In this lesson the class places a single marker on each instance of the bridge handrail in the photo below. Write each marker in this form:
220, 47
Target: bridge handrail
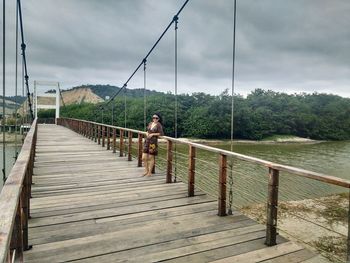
285, 168
99, 132
14, 202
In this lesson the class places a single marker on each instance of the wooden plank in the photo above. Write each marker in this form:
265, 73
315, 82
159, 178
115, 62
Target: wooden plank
126, 219
293, 170
262, 254
182, 246
120, 240
121, 224
294, 257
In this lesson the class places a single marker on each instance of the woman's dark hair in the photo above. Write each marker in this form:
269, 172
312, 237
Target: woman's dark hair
160, 117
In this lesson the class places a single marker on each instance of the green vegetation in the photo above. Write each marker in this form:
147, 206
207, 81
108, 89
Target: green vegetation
260, 115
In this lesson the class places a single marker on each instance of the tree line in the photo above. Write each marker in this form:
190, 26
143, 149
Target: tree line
259, 115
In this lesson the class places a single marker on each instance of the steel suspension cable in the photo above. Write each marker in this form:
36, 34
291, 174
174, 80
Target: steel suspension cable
125, 132
16, 83
144, 95
23, 104
112, 119
3, 92
175, 110
149, 52
232, 105
23, 47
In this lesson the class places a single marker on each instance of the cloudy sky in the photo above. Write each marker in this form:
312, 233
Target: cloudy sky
288, 46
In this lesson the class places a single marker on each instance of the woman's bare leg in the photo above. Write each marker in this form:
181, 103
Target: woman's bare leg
150, 164
145, 162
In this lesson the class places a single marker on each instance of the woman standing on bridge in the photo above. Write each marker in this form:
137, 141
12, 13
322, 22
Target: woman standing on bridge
150, 148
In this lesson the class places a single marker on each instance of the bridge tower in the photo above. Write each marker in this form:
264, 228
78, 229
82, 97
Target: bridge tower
44, 104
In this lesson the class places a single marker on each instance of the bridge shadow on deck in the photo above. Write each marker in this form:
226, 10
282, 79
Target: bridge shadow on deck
89, 205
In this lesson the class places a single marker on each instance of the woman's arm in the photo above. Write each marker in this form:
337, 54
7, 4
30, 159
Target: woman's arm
153, 134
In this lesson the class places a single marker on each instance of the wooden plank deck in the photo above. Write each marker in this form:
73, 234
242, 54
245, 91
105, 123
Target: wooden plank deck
89, 205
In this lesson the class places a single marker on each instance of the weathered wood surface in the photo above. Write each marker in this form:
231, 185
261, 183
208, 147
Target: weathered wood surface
90, 205
284, 168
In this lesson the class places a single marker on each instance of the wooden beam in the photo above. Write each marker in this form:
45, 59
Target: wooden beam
169, 169
121, 142
139, 150
191, 170
108, 138
103, 135
272, 202
130, 145
114, 140
222, 185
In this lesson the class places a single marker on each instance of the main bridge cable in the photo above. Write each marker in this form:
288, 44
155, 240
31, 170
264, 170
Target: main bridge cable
23, 47
175, 18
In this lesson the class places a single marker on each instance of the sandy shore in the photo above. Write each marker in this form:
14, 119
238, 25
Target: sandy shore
10, 138
320, 224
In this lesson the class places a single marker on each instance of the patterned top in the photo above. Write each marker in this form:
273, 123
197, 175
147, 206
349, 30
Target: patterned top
151, 144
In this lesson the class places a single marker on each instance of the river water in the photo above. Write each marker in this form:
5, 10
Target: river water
249, 181
10, 153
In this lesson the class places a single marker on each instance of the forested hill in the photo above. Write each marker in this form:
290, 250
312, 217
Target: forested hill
259, 115
109, 90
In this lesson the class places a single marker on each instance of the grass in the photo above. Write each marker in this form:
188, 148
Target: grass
333, 248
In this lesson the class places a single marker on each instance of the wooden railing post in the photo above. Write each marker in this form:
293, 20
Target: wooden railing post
108, 138
139, 150
114, 140
98, 134
222, 185
169, 169
121, 142
130, 145
272, 202
191, 169
24, 200
17, 238
95, 132
103, 135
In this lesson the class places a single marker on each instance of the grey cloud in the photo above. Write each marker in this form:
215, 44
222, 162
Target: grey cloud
289, 46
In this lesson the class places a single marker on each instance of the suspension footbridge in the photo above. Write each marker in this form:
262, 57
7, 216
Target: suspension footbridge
78, 201
76, 193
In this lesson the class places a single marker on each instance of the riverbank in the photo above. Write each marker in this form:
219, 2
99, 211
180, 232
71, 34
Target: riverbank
269, 140
320, 223
11, 138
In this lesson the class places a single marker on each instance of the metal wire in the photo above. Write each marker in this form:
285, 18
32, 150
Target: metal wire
16, 86
144, 95
176, 18
23, 47
230, 181
3, 92
149, 52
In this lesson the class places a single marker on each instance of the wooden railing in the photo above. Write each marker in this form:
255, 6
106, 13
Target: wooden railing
15, 202
107, 135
